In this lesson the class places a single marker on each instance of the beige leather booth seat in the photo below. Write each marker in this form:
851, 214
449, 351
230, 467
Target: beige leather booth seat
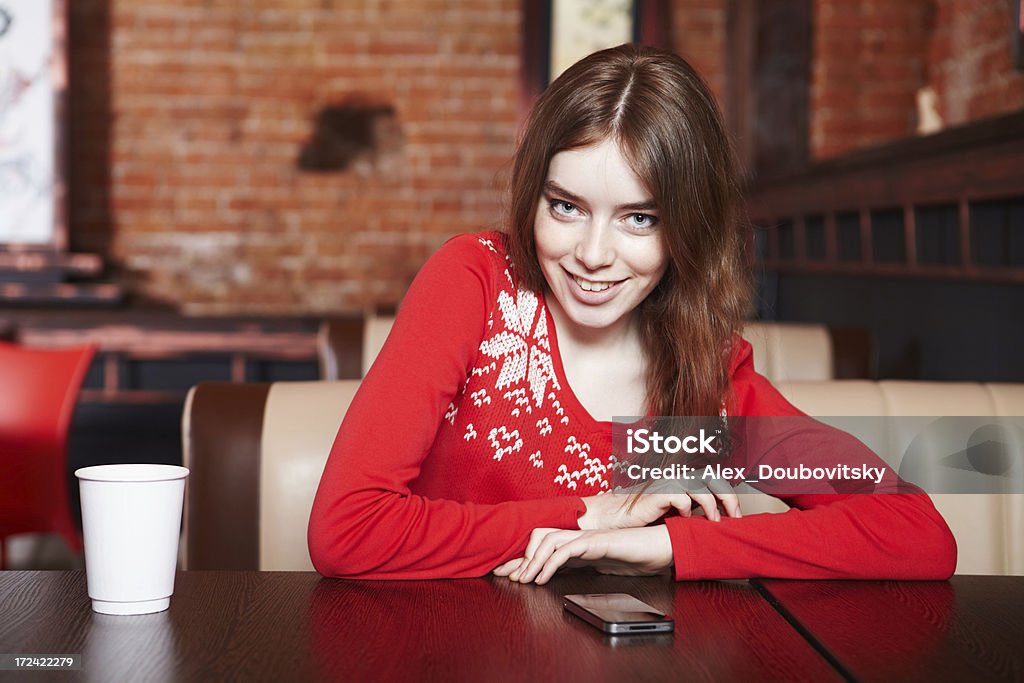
989, 528
347, 347
256, 452
790, 351
375, 333
782, 351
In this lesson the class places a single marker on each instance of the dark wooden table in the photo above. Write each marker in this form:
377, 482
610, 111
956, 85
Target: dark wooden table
970, 628
278, 626
281, 626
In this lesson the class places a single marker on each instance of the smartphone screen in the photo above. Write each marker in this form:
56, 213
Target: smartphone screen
618, 613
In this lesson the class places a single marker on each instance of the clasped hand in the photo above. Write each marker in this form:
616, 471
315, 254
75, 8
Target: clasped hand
628, 552
627, 510
614, 536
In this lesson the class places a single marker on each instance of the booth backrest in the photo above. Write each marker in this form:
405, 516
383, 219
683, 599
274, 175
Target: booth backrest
347, 347
989, 528
256, 452
790, 351
782, 351
375, 333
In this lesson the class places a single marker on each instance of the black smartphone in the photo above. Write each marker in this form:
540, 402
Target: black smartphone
618, 613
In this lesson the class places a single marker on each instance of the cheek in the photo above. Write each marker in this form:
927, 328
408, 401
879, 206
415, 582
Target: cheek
653, 262
547, 237
541, 235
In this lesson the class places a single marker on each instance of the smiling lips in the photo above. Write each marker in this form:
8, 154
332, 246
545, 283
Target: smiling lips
587, 289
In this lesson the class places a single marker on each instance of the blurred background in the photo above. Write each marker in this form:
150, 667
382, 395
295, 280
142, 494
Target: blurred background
229, 175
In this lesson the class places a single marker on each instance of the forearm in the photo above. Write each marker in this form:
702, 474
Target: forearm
376, 534
891, 536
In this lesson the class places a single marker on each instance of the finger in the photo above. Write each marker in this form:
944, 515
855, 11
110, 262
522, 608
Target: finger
545, 550
537, 537
508, 567
683, 504
727, 496
730, 503
531, 564
589, 547
576, 548
707, 503
548, 544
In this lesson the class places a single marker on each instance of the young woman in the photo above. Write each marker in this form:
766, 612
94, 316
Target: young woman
480, 440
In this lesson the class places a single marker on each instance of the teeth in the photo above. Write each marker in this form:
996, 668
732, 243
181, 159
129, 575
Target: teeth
591, 286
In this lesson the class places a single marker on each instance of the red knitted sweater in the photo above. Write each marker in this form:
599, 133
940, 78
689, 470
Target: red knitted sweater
465, 436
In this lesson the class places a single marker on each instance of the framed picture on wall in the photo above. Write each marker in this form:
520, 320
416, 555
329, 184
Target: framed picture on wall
558, 33
579, 27
33, 84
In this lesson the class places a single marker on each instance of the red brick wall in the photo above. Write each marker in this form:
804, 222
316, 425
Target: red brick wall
188, 117
698, 34
872, 57
969, 61
869, 61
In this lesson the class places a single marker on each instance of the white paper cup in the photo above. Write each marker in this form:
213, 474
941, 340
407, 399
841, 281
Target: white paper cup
131, 520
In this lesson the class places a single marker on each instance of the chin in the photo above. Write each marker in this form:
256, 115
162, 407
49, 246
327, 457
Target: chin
594, 320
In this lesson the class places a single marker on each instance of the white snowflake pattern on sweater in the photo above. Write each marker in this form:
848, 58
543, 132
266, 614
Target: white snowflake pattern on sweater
513, 400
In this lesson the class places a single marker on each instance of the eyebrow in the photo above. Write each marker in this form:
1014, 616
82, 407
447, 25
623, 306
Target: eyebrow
551, 187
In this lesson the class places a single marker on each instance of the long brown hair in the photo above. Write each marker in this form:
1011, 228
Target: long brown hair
668, 125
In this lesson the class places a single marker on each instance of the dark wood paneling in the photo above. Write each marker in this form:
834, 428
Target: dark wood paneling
943, 330
945, 206
739, 111
980, 160
781, 86
148, 356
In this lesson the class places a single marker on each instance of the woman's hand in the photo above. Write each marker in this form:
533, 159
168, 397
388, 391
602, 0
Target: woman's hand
613, 511
629, 552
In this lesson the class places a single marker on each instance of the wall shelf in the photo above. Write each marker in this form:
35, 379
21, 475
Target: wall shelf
948, 206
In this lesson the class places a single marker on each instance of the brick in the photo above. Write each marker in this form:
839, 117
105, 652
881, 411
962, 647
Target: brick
873, 54
188, 117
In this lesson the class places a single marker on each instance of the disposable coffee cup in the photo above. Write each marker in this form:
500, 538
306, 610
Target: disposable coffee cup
131, 521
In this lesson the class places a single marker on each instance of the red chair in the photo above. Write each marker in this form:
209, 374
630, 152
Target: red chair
38, 392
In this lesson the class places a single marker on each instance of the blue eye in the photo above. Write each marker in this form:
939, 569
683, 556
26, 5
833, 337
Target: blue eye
642, 220
562, 207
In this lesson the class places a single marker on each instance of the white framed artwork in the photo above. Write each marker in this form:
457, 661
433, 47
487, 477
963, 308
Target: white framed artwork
579, 27
33, 84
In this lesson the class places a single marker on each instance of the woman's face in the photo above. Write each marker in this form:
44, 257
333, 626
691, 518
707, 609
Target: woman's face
598, 238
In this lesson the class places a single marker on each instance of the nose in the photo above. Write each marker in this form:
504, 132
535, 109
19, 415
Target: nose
594, 248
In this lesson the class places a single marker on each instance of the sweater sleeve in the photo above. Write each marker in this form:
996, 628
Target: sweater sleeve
365, 521
822, 536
